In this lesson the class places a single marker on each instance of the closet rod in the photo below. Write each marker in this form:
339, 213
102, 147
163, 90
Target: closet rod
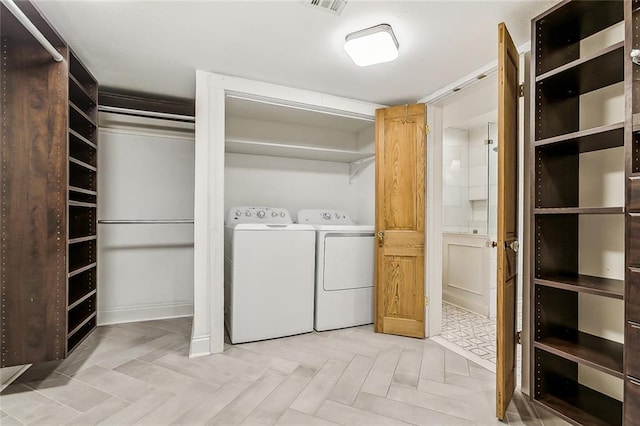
13, 8
151, 114
146, 221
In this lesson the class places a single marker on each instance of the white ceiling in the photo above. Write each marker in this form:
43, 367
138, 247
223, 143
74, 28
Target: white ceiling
155, 46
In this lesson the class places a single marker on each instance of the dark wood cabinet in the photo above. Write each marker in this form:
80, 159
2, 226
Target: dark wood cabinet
48, 149
577, 62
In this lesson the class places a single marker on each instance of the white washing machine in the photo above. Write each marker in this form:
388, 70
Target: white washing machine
344, 269
269, 274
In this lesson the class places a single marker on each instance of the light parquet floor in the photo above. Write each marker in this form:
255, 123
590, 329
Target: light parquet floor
139, 373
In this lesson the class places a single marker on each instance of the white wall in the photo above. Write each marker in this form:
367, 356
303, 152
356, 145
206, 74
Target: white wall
145, 171
253, 180
455, 173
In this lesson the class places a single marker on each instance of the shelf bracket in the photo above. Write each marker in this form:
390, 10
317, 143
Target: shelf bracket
355, 167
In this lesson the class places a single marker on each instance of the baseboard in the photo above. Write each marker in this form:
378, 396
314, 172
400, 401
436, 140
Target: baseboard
200, 346
476, 308
13, 373
144, 313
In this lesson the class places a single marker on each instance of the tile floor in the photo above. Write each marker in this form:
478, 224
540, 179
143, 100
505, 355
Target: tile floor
472, 332
139, 373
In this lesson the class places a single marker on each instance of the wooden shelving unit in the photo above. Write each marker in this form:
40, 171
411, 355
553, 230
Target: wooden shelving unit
564, 80
82, 203
48, 195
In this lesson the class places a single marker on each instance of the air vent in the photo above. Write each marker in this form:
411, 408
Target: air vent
332, 6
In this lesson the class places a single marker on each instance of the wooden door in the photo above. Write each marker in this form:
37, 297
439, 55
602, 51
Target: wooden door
400, 208
507, 219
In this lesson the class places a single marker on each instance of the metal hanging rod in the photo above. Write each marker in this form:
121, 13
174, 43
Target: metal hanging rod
151, 114
13, 8
147, 222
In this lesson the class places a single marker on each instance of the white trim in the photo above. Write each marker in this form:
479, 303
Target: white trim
211, 90
200, 346
433, 224
19, 370
144, 313
468, 355
470, 78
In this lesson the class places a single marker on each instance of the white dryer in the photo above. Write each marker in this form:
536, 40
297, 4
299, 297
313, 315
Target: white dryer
344, 269
269, 274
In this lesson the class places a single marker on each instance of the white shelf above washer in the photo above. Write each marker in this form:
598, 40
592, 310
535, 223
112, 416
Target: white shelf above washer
275, 149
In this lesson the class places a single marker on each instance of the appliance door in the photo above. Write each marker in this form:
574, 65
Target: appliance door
348, 261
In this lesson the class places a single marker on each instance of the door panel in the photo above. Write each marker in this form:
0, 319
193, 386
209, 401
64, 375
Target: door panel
508, 59
400, 207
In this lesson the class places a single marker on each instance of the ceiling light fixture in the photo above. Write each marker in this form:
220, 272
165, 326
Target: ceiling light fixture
371, 46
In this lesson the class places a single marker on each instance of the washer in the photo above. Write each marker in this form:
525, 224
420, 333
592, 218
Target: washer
269, 274
344, 269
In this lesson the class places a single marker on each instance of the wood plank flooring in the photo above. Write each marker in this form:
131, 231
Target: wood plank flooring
139, 374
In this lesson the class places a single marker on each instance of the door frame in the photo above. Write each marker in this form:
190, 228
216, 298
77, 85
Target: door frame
211, 91
434, 225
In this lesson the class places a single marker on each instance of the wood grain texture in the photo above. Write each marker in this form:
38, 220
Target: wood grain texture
33, 156
508, 60
400, 207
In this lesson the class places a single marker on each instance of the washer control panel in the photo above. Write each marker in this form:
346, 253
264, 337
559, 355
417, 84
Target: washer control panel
324, 217
267, 215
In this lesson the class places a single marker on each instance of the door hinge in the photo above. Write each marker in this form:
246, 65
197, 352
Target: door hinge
426, 129
519, 337
426, 301
521, 91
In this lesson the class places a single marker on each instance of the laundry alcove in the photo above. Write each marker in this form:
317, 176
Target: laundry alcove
322, 154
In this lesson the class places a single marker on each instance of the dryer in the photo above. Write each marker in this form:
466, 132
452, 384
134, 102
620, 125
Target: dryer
344, 269
269, 274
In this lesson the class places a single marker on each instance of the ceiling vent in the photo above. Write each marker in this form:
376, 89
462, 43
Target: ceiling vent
331, 6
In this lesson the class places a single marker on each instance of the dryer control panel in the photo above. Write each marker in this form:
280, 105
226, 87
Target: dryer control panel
265, 215
324, 217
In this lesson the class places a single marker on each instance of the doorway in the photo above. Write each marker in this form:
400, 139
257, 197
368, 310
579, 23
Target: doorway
469, 220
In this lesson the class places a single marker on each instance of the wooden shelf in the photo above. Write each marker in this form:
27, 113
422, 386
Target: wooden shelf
585, 75
574, 411
82, 299
82, 239
79, 326
578, 210
82, 190
81, 270
77, 340
73, 203
274, 149
562, 27
82, 114
599, 286
594, 139
598, 353
82, 138
77, 85
82, 164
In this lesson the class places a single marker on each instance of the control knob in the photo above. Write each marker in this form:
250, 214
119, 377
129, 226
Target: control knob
281, 214
247, 213
337, 215
326, 216
260, 214
274, 214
